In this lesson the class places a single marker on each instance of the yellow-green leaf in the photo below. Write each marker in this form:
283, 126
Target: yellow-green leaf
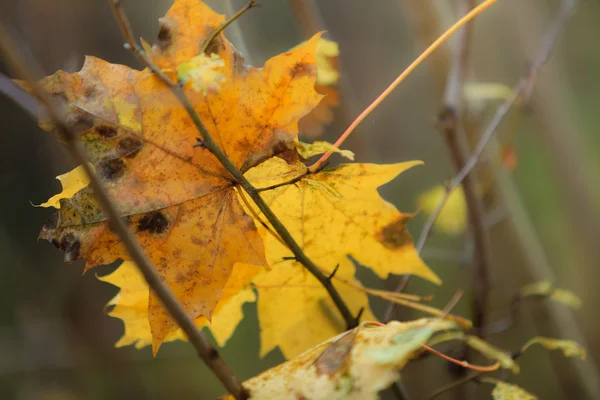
507, 391
493, 353
569, 348
308, 150
546, 288
328, 372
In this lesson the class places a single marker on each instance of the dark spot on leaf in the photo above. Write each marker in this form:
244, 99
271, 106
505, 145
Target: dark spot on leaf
395, 234
154, 222
300, 69
106, 131
52, 222
72, 253
216, 46
55, 243
110, 168
129, 147
165, 36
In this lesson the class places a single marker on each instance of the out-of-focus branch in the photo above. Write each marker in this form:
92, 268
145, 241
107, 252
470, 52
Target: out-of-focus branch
205, 350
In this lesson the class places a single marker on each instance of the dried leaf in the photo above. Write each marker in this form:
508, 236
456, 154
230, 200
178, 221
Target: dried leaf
569, 348
493, 353
507, 391
546, 288
363, 375
177, 198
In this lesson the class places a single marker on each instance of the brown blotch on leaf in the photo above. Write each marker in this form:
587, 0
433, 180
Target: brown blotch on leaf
165, 36
215, 46
154, 222
395, 234
335, 358
110, 168
107, 132
70, 244
129, 147
52, 222
300, 69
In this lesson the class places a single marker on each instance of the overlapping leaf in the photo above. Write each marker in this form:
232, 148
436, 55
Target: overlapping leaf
177, 198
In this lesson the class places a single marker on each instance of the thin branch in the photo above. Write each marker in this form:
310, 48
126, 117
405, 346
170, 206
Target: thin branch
468, 17
521, 90
239, 178
208, 353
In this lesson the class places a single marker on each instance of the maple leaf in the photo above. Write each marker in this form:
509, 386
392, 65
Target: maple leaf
347, 366
177, 197
331, 214
131, 305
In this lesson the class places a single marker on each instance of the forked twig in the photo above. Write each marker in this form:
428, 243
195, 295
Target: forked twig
205, 350
236, 174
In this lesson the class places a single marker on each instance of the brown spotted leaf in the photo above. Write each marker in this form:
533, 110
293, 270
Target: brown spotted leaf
176, 197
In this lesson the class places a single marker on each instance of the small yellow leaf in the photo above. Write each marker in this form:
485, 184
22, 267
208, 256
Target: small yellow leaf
506, 391
486, 91
546, 288
326, 50
308, 150
453, 217
204, 72
569, 348
72, 182
131, 305
493, 353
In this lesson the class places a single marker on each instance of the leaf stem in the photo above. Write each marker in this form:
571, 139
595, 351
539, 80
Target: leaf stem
205, 350
464, 364
236, 174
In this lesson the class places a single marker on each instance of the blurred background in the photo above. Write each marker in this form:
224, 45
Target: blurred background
538, 183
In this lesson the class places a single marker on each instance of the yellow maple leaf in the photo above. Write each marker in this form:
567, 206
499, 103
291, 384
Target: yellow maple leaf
331, 214
131, 305
177, 197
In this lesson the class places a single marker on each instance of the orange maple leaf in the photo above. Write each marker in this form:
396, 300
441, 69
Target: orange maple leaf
176, 197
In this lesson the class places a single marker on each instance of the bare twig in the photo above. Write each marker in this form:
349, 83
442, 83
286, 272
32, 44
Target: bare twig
236, 174
207, 352
213, 35
521, 90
